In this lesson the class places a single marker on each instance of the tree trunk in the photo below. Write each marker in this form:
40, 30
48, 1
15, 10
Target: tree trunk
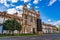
9, 32
13, 33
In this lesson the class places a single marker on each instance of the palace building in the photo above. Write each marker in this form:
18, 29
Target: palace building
29, 19
48, 28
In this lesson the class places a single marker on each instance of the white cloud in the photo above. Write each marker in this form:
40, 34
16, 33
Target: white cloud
12, 5
4, 2
35, 1
25, 1
7, 5
21, 0
19, 7
36, 7
1, 1
14, 1
8, 0
49, 20
37, 10
11, 11
14, 10
56, 23
29, 4
51, 2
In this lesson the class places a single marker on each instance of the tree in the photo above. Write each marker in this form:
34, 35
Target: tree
18, 27
59, 28
12, 25
4, 19
7, 25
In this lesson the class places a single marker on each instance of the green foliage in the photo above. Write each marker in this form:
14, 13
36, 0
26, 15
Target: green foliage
12, 25
59, 28
7, 25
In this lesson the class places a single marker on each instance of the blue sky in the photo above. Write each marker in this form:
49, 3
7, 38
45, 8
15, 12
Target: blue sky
49, 9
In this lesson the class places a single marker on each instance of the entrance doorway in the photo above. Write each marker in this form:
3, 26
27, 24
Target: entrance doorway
33, 30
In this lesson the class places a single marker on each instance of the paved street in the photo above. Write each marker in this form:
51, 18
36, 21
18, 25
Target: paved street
44, 37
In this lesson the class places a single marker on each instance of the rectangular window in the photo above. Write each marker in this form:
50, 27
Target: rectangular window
31, 19
25, 22
25, 16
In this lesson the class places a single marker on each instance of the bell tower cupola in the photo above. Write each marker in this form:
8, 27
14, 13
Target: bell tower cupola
24, 8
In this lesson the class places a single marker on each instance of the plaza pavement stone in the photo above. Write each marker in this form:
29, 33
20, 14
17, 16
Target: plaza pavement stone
43, 37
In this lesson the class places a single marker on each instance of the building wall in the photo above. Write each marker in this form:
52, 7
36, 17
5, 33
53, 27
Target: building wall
1, 29
47, 28
28, 20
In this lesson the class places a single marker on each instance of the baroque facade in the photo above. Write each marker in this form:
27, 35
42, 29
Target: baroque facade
29, 22
28, 19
